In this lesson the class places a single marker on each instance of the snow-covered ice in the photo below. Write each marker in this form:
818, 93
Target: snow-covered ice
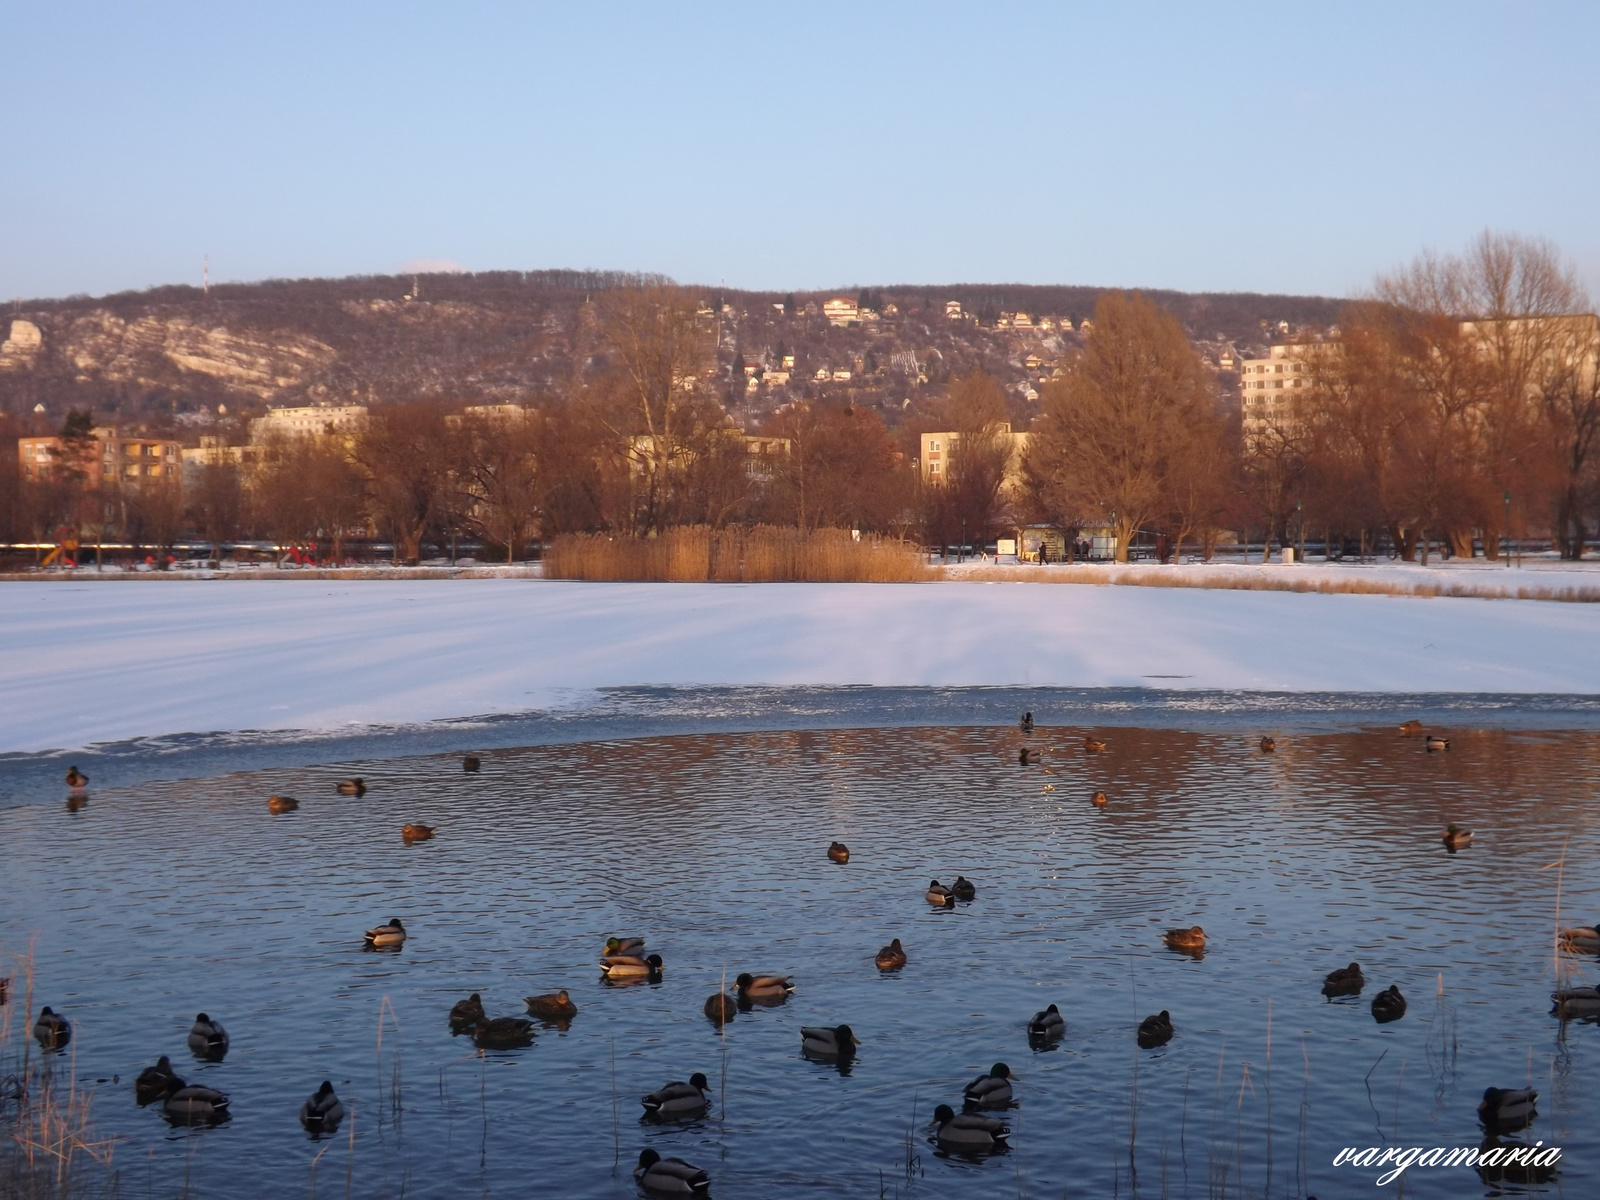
88, 662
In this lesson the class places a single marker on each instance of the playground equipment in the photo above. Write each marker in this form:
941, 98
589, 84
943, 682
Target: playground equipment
66, 548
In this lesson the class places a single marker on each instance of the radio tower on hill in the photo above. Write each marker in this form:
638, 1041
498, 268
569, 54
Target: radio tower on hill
205, 278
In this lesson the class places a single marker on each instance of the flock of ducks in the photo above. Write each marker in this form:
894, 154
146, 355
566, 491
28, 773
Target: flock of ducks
622, 960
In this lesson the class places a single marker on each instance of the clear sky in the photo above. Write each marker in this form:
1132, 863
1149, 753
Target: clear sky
1202, 146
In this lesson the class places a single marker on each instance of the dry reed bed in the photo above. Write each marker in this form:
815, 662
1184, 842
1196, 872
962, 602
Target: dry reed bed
763, 554
1273, 582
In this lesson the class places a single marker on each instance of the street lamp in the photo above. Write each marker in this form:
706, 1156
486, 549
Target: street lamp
1508, 529
1299, 520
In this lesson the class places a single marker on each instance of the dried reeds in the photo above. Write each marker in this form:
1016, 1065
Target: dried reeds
762, 554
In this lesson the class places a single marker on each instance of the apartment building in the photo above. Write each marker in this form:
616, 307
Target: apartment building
1273, 390
938, 448
103, 458
315, 420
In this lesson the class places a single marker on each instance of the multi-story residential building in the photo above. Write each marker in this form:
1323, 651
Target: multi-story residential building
314, 420
1274, 390
841, 312
103, 458
939, 448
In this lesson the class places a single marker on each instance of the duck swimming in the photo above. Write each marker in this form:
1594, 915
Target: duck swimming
1576, 1002
470, 764
1345, 981
1192, 938
821, 1042
1508, 1108
769, 989
1585, 939
968, 1133
322, 1111
679, 1101
623, 946
992, 1090
416, 833
1155, 1030
156, 1083
466, 1014
195, 1105
1026, 724
351, 787
1434, 743
1456, 837
207, 1038
503, 1033
1268, 745
892, 957
389, 936
552, 1006
282, 804
76, 779
1411, 728
940, 896
628, 967
1027, 755
964, 889
52, 1030
721, 1008
1047, 1025
839, 852
1388, 1005
1093, 745
670, 1176
1099, 800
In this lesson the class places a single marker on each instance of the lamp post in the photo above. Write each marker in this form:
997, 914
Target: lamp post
1300, 521
1508, 529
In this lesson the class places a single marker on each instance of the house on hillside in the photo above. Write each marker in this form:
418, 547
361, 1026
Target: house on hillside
841, 312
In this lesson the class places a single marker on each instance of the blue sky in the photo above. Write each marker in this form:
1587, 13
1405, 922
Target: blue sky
1250, 147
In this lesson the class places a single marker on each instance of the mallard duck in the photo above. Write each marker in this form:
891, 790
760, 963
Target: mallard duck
1412, 728
721, 1008
468, 1013
964, 889
1155, 1030
552, 1006
622, 946
1456, 837
1268, 745
282, 804
892, 957
1434, 742
679, 1101
1028, 755
1388, 1005
992, 1090
52, 1030
763, 988
503, 1033
322, 1110
1026, 724
1576, 1002
76, 778
839, 852
670, 1176
156, 1083
207, 1038
389, 936
1093, 745
940, 896
351, 787
416, 833
193, 1104
470, 764
1346, 981
821, 1042
968, 1133
1508, 1108
1584, 939
1047, 1025
629, 967
1099, 800
1192, 938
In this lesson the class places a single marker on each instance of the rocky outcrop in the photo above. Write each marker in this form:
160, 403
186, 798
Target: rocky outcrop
19, 350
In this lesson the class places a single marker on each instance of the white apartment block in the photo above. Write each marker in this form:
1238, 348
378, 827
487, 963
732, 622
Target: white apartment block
309, 421
1273, 389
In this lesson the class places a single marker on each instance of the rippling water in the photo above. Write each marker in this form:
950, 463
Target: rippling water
149, 904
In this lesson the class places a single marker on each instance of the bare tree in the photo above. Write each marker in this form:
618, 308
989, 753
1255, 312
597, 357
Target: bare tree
408, 454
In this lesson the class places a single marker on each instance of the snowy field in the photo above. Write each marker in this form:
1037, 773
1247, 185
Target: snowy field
89, 662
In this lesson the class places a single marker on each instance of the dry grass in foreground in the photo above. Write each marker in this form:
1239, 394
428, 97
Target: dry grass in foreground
764, 554
1264, 581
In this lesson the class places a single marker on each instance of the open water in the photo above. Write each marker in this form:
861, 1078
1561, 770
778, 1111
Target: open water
156, 900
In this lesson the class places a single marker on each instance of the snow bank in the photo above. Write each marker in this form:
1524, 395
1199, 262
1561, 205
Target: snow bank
90, 662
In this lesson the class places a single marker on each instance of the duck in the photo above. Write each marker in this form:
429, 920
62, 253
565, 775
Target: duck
470, 764
940, 896
194, 1104
821, 1042
322, 1110
1388, 1005
1028, 755
838, 852
1099, 800
207, 1038
1456, 837
1412, 728
892, 957
351, 787
968, 1133
52, 1030
1507, 1108
1026, 724
1434, 742
1576, 1002
465, 1014
388, 936
992, 1090
552, 1006
1093, 745
76, 778
416, 833
768, 989
1155, 1030
503, 1033
5, 989
670, 1176
156, 1083
964, 889
721, 1008
282, 804
1192, 938
630, 967
1268, 745
1584, 939
678, 1101
623, 946
1345, 981
1047, 1025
